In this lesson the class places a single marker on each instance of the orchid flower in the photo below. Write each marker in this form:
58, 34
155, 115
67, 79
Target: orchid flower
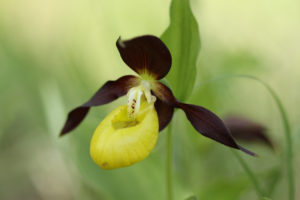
129, 133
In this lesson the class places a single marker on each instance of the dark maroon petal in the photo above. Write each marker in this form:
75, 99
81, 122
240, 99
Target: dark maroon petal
210, 125
164, 93
203, 120
164, 112
110, 91
244, 129
146, 55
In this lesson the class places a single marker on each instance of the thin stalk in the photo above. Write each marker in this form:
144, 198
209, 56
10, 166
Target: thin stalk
169, 161
288, 136
251, 175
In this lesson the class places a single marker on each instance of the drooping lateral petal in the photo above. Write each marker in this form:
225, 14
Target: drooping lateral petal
110, 91
164, 112
203, 120
244, 129
210, 125
146, 55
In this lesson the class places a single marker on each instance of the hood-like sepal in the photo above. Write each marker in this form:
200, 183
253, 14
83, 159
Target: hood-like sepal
110, 91
146, 55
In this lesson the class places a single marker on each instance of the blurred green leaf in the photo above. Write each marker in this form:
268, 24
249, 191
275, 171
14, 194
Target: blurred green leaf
183, 40
224, 189
272, 179
192, 198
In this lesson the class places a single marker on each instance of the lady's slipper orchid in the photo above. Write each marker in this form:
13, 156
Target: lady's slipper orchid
129, 133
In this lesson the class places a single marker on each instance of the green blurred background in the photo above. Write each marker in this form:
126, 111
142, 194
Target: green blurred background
55, 53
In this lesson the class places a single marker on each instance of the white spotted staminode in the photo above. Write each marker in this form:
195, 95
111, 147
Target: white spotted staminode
135, 96
129, 133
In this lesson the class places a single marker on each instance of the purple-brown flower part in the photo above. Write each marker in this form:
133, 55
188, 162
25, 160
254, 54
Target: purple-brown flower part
204, 121
151, 59
164, 112
110, 91
246, 130
146, 55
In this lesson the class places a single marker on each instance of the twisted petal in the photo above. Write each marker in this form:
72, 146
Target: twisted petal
146, 55
110, 91
164, 112
203, 120
210, 125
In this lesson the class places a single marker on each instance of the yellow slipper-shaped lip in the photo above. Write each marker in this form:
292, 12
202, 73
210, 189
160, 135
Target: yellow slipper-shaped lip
119, 141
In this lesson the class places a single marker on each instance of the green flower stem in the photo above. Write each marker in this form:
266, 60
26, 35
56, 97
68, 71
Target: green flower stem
288, 136
169, 161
